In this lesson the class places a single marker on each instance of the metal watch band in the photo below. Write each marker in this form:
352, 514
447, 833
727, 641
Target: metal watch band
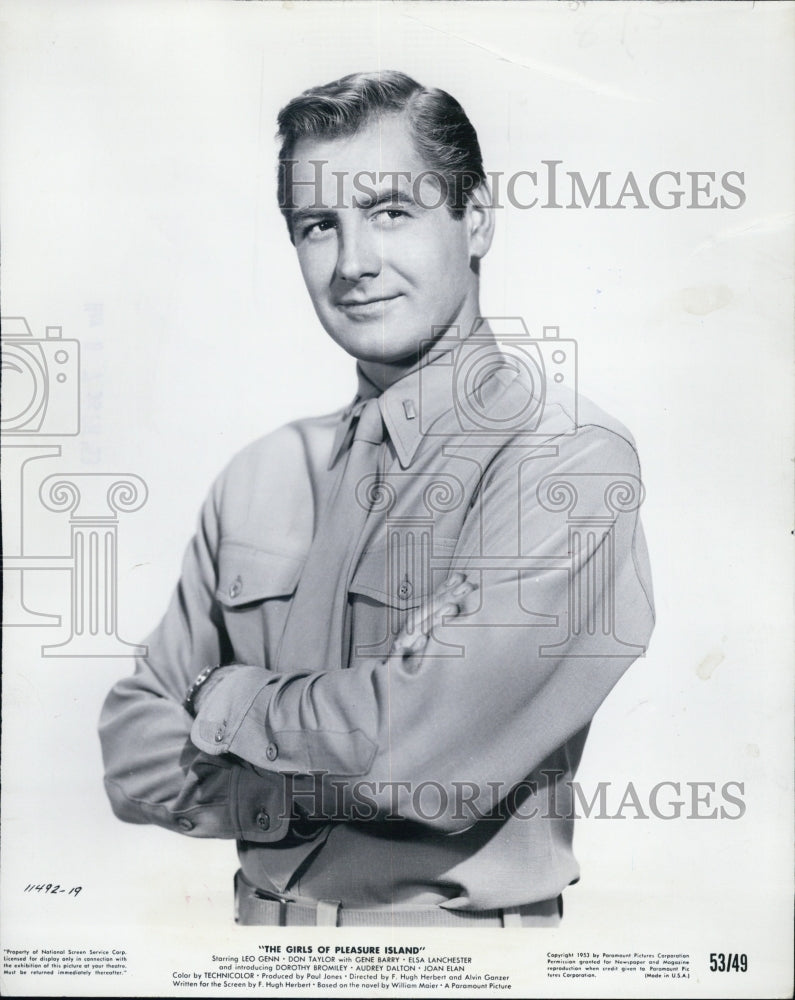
197, 685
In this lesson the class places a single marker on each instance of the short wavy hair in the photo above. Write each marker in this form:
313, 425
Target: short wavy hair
443, 135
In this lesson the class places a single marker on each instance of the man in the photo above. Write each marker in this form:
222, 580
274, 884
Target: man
395, 623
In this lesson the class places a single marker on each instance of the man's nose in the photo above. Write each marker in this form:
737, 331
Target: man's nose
359, 253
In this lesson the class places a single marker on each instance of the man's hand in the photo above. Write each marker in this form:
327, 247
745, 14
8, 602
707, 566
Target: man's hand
421, 621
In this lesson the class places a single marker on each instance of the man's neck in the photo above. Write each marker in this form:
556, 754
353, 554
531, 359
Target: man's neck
385, 375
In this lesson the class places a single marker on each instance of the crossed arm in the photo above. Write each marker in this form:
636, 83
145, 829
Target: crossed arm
487, 717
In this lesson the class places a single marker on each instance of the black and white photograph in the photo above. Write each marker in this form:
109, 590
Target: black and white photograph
397, 498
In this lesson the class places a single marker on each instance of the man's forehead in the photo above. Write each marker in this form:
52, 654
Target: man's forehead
381, 154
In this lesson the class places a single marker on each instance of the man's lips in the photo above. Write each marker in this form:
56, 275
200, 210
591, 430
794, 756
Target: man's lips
366, 307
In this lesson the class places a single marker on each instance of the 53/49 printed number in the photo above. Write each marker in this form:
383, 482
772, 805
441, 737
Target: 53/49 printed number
731, 961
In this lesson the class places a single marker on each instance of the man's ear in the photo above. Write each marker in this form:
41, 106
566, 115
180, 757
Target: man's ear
479, 218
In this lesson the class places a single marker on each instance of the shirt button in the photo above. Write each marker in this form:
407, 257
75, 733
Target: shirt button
236, 587
404, 590
262, 820
220, 732
185, 824
271, 751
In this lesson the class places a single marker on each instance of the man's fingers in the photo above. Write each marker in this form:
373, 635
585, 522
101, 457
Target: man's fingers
441, 606
421, 621
435, 615
409, 645
443, 599
455, 586
454, 580
414, 636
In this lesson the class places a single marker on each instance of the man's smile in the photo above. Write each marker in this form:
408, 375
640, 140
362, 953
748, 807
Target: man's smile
356, 307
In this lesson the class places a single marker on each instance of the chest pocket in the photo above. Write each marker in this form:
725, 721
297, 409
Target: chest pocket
255, 588
389, 582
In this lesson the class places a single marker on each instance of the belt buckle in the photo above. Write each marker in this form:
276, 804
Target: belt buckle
275, 897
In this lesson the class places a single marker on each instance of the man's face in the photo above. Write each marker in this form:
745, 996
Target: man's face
382, 265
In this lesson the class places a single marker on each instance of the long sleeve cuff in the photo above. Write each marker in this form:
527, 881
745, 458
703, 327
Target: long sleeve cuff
239, 715
260, 806
259, 802
223, 708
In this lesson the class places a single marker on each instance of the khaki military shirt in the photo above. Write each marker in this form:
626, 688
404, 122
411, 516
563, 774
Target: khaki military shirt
376, 779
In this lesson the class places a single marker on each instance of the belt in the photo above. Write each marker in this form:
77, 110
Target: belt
256, 906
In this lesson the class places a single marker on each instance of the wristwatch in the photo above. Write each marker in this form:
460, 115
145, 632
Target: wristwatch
196, 686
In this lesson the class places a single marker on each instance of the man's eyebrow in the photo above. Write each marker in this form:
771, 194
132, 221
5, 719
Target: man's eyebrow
363, 199
312, 212
390, 195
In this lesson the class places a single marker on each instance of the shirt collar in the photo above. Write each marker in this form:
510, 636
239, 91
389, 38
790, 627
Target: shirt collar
412, 405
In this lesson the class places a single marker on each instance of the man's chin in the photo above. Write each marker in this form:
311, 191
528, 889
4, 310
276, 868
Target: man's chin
379, 346
385, 358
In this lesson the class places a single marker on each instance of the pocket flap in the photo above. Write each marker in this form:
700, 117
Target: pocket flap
246, 574
399, 576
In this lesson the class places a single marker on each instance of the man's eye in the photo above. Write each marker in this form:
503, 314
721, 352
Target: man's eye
315, 230
387, 216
